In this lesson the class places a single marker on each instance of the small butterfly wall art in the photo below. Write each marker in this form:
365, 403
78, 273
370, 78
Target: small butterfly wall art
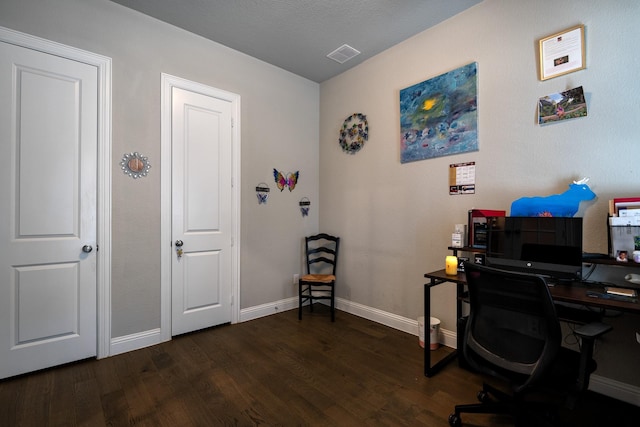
262, 191
304, 203
282, 181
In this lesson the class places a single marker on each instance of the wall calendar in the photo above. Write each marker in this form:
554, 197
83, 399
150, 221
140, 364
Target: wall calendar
462, 178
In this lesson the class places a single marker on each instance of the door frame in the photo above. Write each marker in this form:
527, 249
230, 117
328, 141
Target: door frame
103, 223
168, 82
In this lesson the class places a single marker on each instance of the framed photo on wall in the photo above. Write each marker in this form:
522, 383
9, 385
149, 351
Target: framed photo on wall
562, 53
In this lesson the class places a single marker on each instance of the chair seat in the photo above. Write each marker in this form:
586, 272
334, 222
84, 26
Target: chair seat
318, 278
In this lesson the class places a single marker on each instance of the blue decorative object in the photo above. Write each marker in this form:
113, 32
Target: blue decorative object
565, 204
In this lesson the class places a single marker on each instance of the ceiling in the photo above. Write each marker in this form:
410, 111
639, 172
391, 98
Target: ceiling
297, 35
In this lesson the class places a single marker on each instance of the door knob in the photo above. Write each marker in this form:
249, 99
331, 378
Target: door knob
179, 243
87, 248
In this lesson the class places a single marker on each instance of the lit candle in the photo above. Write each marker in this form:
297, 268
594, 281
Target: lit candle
451, 265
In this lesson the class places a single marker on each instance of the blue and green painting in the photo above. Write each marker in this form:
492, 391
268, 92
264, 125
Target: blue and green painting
439, 117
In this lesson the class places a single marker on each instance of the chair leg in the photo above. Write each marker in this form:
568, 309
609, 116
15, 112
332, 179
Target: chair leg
299, 301
333, 304
302, 297
488, 389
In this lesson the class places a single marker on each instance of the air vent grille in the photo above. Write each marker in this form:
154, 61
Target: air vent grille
343, 54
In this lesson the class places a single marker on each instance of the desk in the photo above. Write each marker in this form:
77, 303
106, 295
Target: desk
576, 293
437, 278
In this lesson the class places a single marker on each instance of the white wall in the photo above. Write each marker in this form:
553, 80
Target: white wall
280, 114
396, 219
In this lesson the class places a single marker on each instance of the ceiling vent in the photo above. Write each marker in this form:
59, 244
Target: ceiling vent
343, 53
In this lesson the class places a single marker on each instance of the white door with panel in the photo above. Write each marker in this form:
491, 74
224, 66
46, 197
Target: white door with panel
48, 190
201, 139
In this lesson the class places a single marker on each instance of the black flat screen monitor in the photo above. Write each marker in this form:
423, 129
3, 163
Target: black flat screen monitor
549, 246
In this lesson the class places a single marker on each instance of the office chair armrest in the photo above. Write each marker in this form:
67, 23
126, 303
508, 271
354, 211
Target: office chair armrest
592, 330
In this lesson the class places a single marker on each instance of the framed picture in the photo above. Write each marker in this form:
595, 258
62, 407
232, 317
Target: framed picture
562, 53
439, 117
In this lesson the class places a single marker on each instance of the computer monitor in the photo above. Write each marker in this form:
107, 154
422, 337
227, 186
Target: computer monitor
549, 246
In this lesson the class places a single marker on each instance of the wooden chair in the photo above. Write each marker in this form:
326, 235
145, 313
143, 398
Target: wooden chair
321, 251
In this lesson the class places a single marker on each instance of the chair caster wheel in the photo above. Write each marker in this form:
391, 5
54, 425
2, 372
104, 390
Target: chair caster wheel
483, 396
454, 420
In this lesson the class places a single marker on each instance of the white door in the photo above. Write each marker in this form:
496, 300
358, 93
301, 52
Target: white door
48, 188
201, 132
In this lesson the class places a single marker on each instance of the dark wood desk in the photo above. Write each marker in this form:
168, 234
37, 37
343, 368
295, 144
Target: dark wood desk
575, 293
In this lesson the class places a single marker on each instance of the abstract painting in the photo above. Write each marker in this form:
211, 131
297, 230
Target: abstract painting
439, 117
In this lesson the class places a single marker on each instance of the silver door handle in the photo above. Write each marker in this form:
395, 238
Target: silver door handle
179, 243
87, 248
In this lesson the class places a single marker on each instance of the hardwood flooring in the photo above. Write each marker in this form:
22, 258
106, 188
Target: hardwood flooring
273, 371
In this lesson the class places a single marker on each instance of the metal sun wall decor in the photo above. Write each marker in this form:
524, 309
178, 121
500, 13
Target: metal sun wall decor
282, 181
439, 116
354, 133
262, 191
135, 165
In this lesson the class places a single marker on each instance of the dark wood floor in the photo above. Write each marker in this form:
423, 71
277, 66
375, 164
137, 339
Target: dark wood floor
271, 371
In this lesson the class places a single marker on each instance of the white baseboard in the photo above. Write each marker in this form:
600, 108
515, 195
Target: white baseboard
268, 309
449, 338
394, 321
151, 337
135, 341
616, 389
388, 319
410, 326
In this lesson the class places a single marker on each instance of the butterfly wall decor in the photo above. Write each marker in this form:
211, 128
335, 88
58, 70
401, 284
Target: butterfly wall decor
262, 191
304, 203
283, 181
262, 198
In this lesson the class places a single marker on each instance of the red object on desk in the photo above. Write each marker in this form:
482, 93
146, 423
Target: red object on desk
479, 216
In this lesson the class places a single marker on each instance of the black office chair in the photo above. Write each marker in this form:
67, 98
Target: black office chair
513, 333
319, 283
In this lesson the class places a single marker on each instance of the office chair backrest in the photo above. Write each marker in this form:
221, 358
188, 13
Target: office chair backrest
512, 324
322, 253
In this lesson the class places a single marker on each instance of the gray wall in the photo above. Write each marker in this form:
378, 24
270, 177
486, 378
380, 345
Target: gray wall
396, 219
277, 107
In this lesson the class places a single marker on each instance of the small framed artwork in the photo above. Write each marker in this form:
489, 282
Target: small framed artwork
562, 53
